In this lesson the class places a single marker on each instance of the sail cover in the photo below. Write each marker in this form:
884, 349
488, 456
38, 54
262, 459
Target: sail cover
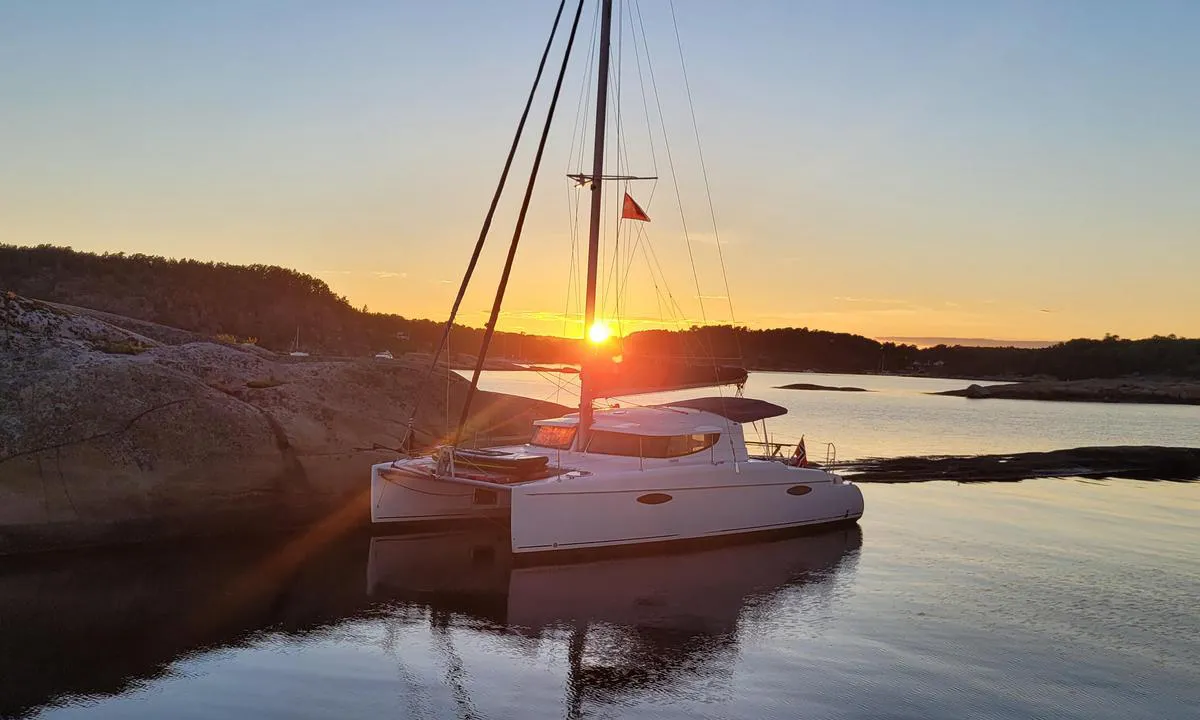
739, 410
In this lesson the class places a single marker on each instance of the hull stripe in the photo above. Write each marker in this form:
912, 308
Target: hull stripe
528, 551
426, 492
749, 528
673, 489
779, 524
492, 512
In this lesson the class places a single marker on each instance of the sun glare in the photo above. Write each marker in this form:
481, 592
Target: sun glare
599, 333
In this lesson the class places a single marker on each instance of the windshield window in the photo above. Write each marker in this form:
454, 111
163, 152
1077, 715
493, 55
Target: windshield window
558, 437
649, 446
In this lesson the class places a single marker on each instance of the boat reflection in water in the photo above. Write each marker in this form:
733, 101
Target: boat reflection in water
633, 623
91, 628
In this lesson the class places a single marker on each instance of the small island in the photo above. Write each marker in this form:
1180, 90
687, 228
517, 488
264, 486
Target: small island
810, 386
1172, 391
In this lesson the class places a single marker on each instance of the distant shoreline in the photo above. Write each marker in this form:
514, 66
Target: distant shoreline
1117, 390
1158, 391
810, 371
503, 364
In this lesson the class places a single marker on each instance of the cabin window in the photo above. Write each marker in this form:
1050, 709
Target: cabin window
649, 446
557, 437
611, 443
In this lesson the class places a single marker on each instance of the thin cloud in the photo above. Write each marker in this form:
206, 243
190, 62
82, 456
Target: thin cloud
873, 301
389, 275
707, 238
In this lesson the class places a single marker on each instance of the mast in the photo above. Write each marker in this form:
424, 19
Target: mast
589, 313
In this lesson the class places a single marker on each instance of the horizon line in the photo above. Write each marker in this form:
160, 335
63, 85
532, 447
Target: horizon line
932, 340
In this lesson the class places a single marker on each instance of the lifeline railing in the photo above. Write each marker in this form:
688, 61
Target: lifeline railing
782, 451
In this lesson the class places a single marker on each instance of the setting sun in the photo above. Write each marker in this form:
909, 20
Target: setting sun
599, 333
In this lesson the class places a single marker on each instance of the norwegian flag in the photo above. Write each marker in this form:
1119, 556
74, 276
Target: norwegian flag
800, 457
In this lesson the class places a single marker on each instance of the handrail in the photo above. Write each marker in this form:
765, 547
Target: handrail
776, 450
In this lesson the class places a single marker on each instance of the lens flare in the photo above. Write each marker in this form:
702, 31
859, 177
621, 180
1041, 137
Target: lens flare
599, 333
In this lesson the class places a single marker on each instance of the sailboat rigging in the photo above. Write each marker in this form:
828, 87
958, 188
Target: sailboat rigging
611, 477
296, 351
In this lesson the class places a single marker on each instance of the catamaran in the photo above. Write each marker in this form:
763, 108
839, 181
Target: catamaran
611, 476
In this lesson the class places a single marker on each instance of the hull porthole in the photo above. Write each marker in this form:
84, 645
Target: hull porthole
799, 490
654, 498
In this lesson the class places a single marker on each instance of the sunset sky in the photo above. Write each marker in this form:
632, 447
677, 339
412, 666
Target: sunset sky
1017, 170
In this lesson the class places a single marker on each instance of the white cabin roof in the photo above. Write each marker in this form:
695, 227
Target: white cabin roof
649, 421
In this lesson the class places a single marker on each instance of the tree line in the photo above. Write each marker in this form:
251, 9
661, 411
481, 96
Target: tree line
801, 349
271, 304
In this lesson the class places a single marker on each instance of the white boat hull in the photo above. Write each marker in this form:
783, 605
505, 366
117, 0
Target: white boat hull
398, 496
690, 503
621, 508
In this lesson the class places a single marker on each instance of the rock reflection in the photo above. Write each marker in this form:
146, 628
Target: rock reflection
91, 624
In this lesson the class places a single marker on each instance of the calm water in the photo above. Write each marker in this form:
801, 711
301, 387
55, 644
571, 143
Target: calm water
1043, 599
901, 417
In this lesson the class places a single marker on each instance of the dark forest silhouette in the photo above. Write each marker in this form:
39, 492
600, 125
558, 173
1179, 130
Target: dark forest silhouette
269, 303
263, 303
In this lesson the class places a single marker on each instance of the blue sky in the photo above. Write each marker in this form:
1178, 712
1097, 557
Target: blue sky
1022, 170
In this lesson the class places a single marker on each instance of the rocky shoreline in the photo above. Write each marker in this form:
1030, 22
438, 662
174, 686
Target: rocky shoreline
1179, 464
1117, 390
115, 432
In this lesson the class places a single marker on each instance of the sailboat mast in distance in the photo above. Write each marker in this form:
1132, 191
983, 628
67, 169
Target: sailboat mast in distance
586, 391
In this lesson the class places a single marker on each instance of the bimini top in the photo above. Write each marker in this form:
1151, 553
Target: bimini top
682, 417
739, 410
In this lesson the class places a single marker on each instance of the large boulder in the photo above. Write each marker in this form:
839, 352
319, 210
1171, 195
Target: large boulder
108, 435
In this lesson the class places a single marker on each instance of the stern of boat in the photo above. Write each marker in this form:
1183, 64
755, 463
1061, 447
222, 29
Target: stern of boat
409, 491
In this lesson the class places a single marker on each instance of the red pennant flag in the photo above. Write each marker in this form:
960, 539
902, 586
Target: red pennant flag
630, 210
